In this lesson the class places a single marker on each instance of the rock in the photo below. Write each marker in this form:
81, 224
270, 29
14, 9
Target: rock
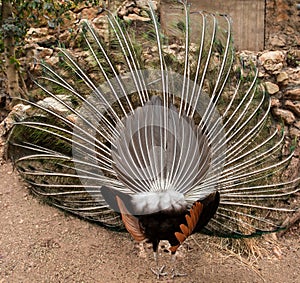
101, 24
135, 17
136, 10
294, 132
29, 59
42, 36
271, 88
65, 36
37, 32
275, 102
54, 105
294, 76
295, 108
297, 151
282, 76
272, 61
44, 53
126, 8
52, 61
287, 116
293, 94
143, 4
292, 171
278, 41
295, 54
282, 11
297, 125
29, 48
90, 13
18, 113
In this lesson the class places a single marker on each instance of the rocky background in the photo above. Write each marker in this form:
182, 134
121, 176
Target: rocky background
39, 243
281, 74
282, 24
279, 64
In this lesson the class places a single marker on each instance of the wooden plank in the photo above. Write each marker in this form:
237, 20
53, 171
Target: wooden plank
248, 18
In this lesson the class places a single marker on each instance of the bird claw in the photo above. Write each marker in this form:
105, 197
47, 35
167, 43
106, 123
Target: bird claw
177, 274
159, 272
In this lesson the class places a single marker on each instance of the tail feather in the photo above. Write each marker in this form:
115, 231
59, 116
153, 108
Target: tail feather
149, 111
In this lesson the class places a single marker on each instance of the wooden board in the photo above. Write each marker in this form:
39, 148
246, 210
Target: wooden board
248, 18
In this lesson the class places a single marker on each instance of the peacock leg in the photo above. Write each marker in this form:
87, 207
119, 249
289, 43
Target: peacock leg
159, 271
174, 272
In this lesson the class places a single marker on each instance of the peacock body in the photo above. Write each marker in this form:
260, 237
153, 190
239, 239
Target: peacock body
163, 133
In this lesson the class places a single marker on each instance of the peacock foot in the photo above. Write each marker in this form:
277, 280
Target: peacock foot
176, 273
159, 271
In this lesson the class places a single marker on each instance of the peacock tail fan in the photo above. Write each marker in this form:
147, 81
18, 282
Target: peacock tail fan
147, 109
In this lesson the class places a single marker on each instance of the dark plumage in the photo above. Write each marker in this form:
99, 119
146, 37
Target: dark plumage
164, 224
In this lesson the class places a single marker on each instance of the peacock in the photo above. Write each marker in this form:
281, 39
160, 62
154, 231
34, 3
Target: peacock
162, 132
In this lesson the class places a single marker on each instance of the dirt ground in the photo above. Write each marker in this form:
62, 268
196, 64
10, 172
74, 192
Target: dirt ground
39, 243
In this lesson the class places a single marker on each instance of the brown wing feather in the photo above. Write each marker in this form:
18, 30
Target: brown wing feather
191, 220
180, 237
185, 230
173, 249
131, 222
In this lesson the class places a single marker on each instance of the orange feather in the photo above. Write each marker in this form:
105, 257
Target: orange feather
173, 249
191, 220
180, 237
185, 230
131, 223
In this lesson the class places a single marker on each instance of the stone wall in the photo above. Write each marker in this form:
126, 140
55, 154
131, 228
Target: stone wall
282, 24
282, 81
279, 66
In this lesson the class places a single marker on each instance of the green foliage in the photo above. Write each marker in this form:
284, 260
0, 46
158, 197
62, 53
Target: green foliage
292, 60
31, 13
